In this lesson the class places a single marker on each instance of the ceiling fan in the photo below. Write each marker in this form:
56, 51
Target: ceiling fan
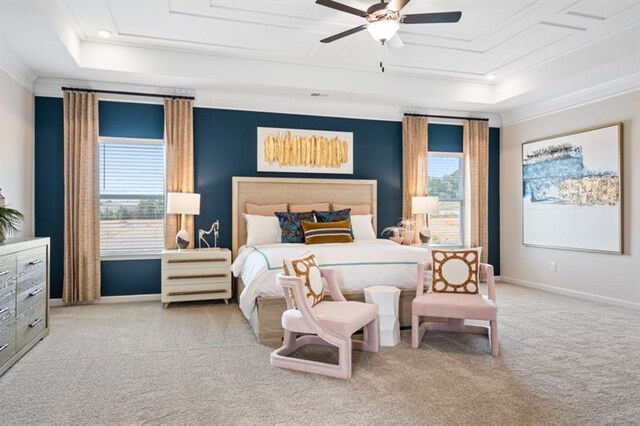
384, 19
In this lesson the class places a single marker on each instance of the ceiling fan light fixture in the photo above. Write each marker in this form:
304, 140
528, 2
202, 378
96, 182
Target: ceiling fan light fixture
383, 29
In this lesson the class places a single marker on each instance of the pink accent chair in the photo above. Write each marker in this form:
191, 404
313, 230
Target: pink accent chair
457, 308
329, 323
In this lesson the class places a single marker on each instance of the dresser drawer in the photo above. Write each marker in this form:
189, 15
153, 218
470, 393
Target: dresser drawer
7, 342
7, 307
32, 268
7, 272
30, 297
30, 324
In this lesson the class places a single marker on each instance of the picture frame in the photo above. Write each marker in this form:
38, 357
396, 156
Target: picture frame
572, 191
305, 151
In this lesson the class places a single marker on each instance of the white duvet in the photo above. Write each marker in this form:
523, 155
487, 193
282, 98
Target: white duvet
357, 265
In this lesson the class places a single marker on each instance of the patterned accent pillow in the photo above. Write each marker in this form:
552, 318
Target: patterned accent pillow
291, 225
455, 271
306, 267
328, 232
332, 216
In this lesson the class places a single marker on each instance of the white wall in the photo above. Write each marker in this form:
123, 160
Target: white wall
16, 148
591, 275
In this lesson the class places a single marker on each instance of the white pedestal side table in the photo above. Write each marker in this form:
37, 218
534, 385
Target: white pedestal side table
387, 299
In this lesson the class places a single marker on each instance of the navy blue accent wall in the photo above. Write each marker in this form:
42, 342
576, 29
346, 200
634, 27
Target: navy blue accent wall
225, 146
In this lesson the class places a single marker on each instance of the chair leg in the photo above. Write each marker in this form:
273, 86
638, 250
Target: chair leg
494, 338
344, 359
415, 326
372, 336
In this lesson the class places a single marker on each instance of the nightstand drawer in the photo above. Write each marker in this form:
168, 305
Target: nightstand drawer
196, 276
216, 289
195, 261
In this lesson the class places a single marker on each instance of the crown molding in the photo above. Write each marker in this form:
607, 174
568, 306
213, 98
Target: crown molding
609, 89
242, 101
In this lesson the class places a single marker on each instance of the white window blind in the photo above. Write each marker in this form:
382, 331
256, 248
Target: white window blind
132, 183
446, 182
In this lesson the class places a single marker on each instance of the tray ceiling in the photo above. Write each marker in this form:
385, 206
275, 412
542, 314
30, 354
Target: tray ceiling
523, 43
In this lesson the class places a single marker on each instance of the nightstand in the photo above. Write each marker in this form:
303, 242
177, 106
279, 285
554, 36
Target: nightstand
189, 275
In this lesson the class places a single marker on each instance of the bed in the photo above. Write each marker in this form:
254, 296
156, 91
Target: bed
358, 264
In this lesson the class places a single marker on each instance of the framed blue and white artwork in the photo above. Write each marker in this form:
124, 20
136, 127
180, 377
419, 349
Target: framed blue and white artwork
572, 191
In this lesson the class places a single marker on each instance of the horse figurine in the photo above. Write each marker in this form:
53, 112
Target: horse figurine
215, 227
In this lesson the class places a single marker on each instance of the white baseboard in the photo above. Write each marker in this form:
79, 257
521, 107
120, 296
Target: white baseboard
572, 293
114, 299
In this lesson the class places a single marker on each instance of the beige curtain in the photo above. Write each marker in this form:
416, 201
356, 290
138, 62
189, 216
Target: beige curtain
476, 160
81, 279
178, 123
414, 166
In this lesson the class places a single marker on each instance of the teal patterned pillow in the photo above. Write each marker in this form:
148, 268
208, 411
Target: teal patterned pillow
332, 216
291, 225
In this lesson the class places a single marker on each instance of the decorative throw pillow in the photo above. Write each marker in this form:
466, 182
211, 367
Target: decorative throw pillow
358, 209
301, 208
332, 216
265, 209
362, 227
327, 232
291, 225
455, 271
306, 267
262, 230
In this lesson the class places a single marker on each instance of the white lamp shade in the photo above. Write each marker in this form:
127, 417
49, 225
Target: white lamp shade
425, 205
383, 29
183, 203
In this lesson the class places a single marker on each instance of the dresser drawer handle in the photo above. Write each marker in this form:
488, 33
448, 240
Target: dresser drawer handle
36, 322
3, 347
3, 310
188, 277
3, 273
36, 261
38, 291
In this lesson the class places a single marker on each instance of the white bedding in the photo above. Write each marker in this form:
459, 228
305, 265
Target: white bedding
357, 265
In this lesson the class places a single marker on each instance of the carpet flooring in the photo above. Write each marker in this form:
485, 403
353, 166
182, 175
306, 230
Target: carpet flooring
563, 361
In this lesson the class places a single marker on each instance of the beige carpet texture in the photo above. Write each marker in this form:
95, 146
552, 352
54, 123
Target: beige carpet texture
563, 361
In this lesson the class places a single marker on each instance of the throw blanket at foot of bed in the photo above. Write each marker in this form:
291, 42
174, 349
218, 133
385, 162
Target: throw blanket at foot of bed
357, 265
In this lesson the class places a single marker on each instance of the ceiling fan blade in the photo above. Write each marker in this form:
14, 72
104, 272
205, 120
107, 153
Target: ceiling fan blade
397, 5
395, 42
342, 7
431, 18
344, 34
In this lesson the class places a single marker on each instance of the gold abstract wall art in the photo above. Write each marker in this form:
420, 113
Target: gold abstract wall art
304, 151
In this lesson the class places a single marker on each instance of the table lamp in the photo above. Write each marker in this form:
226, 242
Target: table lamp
183, 203
425, 206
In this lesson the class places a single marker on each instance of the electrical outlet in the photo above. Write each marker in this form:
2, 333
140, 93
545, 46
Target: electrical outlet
552, 266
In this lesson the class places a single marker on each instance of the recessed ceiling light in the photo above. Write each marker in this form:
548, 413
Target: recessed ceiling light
490, 77
104, 33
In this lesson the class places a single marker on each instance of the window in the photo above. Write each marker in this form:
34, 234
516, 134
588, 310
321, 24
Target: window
131, 196
446, 182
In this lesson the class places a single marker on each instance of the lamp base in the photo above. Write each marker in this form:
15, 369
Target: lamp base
182, 239
425, 235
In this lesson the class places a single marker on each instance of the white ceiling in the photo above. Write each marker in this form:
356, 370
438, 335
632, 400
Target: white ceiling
257, 54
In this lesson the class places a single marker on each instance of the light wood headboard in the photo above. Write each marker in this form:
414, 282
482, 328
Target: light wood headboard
260, 190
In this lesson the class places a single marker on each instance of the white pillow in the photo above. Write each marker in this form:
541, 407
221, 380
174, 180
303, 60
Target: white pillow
362, 227
262, 230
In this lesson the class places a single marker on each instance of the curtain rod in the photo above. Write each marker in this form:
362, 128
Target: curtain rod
118, 92
409, 114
